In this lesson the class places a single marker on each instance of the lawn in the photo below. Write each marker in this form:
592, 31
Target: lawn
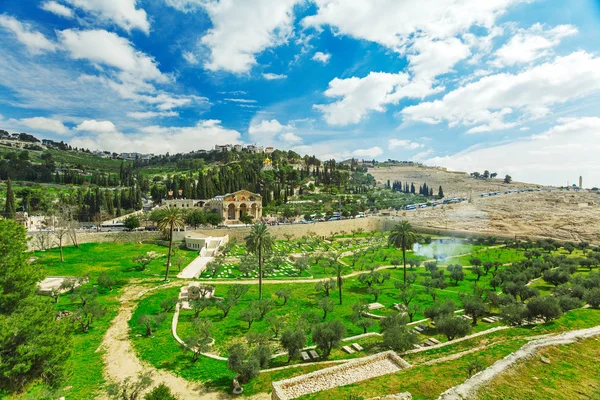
572, 374
429, 381
115, 258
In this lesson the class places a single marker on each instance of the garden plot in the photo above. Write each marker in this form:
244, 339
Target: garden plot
231, 271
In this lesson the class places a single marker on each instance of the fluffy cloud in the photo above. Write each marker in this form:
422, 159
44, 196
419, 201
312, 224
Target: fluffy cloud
152, 114
531, 44
321, 57
109, 49
399, 22
44, 124
274, 77
369, 153
242, 29
57, 9
483, 105
291, 139
35, 41
91, 125
160, 140
122, 13
561, 154
361, 95
423, 30
273, 133
404, 144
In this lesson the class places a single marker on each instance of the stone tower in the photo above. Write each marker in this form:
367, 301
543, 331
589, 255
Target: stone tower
580, 182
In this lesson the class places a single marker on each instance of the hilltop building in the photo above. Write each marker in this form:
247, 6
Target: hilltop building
231, 206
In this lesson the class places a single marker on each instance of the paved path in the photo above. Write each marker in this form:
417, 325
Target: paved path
195, 268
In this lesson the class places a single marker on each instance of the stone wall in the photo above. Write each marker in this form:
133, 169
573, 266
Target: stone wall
297, 230
95, 237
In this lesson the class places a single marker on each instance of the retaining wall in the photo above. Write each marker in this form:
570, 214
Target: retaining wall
96, 237
297, 230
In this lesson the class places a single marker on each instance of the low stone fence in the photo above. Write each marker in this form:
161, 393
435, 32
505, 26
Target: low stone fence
92, 237
351, 372
323, 229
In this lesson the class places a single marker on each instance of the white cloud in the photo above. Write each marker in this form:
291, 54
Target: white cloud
531, 44
122, 13
561, 154
369, 153
152, 114
272, 77
419, 157
273, 133
45, 124
291, 139
160, 140
35, 41
109, 49
190, 57
91, 125
235, 100
405, 144
422, 30
393, 23
361, 95
483, 105
58, 9
242, 29
321, 57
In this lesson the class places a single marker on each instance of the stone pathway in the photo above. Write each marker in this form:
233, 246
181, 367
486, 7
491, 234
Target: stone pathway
195, 268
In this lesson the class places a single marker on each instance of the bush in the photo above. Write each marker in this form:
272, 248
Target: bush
592, 297
161, 392
514, 313
396, 333
328, 335
453, 326
546, 307
568, 303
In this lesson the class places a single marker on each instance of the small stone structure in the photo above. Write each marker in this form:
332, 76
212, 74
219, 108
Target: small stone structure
52, 284
351, 372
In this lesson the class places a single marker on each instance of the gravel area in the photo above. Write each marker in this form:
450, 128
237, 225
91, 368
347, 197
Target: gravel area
351, 372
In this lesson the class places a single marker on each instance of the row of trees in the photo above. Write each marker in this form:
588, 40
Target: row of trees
424, 190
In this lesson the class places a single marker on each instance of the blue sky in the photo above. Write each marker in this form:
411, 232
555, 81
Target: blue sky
511, 86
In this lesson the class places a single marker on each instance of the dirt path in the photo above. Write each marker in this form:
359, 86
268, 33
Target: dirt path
122, 362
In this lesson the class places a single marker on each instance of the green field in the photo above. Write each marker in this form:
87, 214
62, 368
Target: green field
115, 258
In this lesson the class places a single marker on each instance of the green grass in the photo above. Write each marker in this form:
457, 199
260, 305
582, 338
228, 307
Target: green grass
429, 381
115, 258
162, 351
86, 160
572, 374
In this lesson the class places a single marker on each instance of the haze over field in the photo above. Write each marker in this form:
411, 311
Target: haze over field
506, 85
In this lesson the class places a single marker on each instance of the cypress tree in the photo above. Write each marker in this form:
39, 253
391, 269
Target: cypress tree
9, 208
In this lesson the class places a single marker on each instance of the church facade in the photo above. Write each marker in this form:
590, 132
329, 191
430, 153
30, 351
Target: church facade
230, 206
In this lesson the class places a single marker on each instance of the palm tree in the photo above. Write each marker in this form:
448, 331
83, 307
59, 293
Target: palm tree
170, 218
259, 242
403, 237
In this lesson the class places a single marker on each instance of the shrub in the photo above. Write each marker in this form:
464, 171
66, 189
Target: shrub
546, 307
453, 326
328, 335
161, 392
592, 297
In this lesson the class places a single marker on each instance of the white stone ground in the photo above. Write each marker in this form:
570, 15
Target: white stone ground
195, 268
351, 372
